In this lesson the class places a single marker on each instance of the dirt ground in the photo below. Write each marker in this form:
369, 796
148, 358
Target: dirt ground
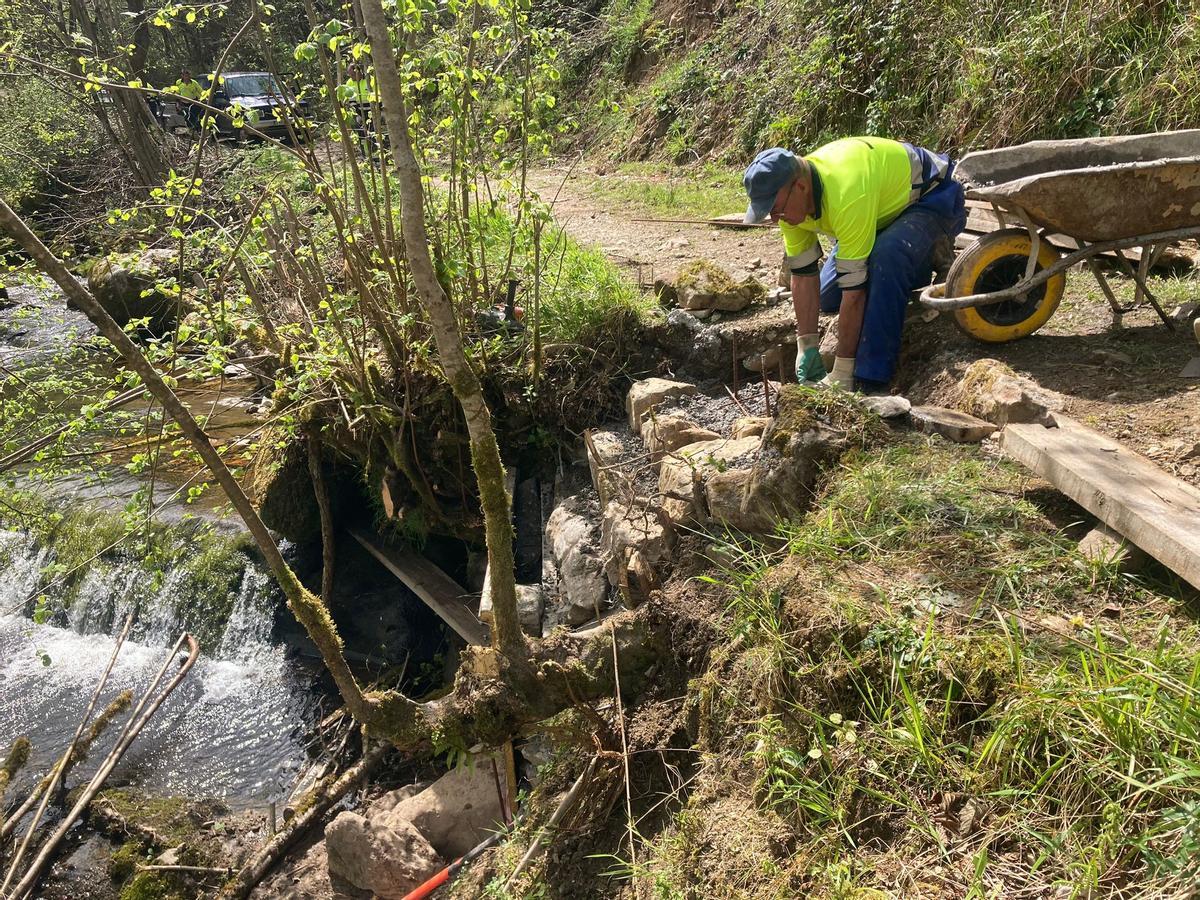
1124, 382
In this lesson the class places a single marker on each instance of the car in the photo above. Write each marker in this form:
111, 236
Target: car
260, 98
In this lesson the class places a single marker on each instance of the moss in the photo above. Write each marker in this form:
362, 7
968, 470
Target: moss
153, 886
125, 860
176, 819
698, 270
802, 408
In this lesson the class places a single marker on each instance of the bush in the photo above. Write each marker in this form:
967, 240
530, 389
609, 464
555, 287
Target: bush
40, 130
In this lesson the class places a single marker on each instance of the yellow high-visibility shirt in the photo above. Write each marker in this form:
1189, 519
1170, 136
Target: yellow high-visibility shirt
865, 183
189, 90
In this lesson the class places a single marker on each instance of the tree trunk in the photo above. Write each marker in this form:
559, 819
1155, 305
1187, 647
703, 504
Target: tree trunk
485, 452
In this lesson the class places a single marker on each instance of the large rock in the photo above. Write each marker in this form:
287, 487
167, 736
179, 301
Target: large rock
388, 856
725, 495
128, 288
645, 395
455, 813
683, 474
634, 529
951, 424
702, 285
992, 391
573, 535
662, 434
605, 450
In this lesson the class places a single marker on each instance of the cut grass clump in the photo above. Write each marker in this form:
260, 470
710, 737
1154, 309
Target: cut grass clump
924, 687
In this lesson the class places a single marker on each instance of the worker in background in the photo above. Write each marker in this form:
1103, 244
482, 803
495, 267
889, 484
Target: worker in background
357, 93
188, 89
892, 209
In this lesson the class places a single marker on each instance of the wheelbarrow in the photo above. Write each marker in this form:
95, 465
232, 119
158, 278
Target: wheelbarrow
1100, 194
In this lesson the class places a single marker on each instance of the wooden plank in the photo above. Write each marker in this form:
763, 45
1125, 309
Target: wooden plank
1127, 492
439, 591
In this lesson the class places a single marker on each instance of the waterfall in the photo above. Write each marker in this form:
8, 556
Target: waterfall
232, 730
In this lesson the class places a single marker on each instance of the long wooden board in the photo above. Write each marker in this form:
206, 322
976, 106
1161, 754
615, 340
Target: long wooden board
1127, 492
439, 591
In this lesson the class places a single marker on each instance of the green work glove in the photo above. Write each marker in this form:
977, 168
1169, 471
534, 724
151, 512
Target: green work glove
809, 366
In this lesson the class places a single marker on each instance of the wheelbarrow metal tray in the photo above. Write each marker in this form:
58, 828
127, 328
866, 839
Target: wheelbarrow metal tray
1096, 189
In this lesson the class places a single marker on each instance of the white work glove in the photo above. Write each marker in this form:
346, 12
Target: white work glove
842, 374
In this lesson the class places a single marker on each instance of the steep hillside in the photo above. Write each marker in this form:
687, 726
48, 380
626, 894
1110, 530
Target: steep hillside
686, 80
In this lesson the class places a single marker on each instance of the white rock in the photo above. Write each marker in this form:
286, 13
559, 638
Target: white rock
749, 426
604, 452
388, 857
890, 406
457, 811
629, 529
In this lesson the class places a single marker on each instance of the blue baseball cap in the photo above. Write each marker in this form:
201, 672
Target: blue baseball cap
765, 178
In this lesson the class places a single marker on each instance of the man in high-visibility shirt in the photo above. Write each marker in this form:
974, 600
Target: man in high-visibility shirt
188, 89
889, 206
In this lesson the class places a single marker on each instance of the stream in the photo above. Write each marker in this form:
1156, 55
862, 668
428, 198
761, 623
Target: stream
235, 727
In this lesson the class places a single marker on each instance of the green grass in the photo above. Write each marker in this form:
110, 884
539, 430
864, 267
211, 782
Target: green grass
925, 674
975, 74
675, 193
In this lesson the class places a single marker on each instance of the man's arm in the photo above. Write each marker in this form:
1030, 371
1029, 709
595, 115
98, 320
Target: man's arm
806, 300
850, 319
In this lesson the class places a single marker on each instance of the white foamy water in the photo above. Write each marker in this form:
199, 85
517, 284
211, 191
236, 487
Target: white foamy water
233, 729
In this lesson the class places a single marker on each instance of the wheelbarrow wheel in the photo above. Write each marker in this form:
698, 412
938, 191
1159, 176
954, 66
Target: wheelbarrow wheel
994, 262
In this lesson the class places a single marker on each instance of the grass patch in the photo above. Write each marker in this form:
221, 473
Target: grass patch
702, 193
927, 698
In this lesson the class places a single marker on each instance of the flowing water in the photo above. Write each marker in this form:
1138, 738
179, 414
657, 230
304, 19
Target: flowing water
234, 727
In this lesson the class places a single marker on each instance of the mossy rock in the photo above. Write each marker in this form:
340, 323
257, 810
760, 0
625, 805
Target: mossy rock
139, 286
281, 487
703, 285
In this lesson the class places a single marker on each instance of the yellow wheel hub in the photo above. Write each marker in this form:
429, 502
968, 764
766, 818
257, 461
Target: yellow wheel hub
994, 262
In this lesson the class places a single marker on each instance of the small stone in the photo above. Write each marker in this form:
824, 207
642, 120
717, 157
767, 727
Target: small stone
1105, 545
1112, 357
951, 424
929, 315
645, 395
1184, 312
891, 406
749, 426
